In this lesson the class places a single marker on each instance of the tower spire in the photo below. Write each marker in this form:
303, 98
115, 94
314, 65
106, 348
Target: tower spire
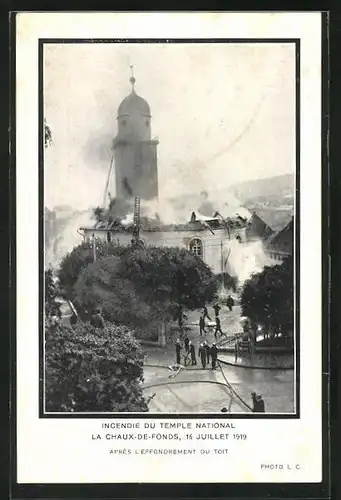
132, 78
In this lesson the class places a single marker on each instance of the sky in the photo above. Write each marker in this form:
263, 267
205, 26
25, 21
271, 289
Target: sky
223, 113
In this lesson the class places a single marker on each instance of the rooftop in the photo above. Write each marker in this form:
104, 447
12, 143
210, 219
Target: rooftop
197, 222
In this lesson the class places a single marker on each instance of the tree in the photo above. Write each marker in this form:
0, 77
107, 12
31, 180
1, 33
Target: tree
52, 306
87, 369
75, 261
142, 287
268, 297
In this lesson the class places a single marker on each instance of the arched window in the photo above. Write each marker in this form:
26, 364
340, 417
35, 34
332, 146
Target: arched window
196, 247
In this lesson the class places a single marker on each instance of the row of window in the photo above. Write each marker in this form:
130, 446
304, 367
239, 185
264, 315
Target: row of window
275, 256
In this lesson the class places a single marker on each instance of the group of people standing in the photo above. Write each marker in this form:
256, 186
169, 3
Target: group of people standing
205, 352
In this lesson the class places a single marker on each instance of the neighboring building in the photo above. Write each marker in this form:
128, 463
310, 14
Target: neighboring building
135, 152
258, 229
281, 244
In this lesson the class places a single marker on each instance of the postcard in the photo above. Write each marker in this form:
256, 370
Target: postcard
168, 251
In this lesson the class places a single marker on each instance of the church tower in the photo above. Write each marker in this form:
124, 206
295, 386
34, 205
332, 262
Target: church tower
135, 152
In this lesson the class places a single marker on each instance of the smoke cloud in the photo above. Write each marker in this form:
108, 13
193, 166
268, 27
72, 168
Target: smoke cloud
242, 260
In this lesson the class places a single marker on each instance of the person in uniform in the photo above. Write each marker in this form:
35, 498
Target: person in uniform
207, 350
214, 355
192, 353
202, 325
186, 342
97, 320
217, 327
178, 351
205, 313
202, 354
230, 302
258, 403
216, 308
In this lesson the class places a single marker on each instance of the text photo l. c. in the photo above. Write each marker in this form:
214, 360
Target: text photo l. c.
170, 259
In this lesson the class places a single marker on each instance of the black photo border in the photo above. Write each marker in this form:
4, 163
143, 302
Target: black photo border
171, 490
74, 41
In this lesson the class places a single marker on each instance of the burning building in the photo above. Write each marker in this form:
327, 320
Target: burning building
223, 243
229, 241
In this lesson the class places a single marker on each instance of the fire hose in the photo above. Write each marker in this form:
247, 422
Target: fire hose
160, 384
232, 390
255, 367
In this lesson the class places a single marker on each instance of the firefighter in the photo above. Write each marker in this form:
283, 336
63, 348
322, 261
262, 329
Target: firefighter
214, 355
205, 313
207, 350
192, 353
258, 403
97, 320
217, 328
229, 302
202, 324
216, 308
186, 342
202, 354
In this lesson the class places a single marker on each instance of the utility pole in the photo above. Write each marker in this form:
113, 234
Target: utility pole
94, 247
222, 262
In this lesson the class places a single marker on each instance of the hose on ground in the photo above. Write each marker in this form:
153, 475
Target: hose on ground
232, 390
255, 367
160, 384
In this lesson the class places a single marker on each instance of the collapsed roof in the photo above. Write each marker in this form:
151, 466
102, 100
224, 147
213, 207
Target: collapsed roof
197, 222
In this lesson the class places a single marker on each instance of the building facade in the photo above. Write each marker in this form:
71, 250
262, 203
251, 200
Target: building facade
281, 245
211, 241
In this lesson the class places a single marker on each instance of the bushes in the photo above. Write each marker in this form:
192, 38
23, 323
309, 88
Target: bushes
93, 370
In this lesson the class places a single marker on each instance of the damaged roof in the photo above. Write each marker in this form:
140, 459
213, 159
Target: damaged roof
283, 241
257, 228
197, 222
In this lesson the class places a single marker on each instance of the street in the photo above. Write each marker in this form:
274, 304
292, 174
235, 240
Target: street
197, 390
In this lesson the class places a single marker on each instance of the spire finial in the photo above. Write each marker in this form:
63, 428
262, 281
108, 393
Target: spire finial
132, 78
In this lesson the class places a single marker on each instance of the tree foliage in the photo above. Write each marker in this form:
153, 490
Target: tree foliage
52, 306
140, 287
88, 369
268, 297
78, 259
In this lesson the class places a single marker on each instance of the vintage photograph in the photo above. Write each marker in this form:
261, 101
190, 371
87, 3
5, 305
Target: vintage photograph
169, 220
